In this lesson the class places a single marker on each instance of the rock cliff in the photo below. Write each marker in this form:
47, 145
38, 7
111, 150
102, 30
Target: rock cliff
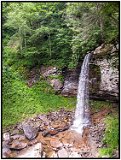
104, 75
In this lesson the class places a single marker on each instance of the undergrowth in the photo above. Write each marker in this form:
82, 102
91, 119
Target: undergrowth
20, 101
111, 137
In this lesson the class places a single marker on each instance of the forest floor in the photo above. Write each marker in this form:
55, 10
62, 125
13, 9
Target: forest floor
48, 135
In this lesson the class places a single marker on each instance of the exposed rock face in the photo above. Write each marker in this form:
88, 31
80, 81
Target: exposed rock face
71, 83
109, 76
106, 58
104, 75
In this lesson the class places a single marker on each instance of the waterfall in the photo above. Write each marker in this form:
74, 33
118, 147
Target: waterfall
81, 119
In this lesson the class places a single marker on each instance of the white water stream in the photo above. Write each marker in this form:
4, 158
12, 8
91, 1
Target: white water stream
82, 119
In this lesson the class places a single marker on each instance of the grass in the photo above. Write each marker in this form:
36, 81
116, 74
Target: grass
98, 105
111, 137
20, 101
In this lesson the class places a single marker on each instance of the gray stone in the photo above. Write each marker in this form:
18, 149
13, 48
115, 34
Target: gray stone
18, 136
63, 153
29, 131
56, 84
6, 136
74, 155
6, 152
32, 152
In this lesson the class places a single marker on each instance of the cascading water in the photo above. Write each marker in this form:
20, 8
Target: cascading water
82, 107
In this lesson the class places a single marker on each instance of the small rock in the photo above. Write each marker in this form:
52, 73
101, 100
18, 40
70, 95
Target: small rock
63, 153
6, 137
56, 84
32, 142
55, 143
6, 152
20, 137
32, 152
37, 124
74, 155
29, 131
42, 117
15, 131
53, 132
45, 133
18, 145
51, 154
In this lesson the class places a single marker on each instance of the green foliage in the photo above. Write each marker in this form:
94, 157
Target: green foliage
111, 138
20, 101
60, 32
92, 24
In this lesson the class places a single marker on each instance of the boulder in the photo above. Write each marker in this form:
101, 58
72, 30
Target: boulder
47, 71
29, 131
56, 84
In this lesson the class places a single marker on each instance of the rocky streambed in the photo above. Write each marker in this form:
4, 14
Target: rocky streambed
49, 136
